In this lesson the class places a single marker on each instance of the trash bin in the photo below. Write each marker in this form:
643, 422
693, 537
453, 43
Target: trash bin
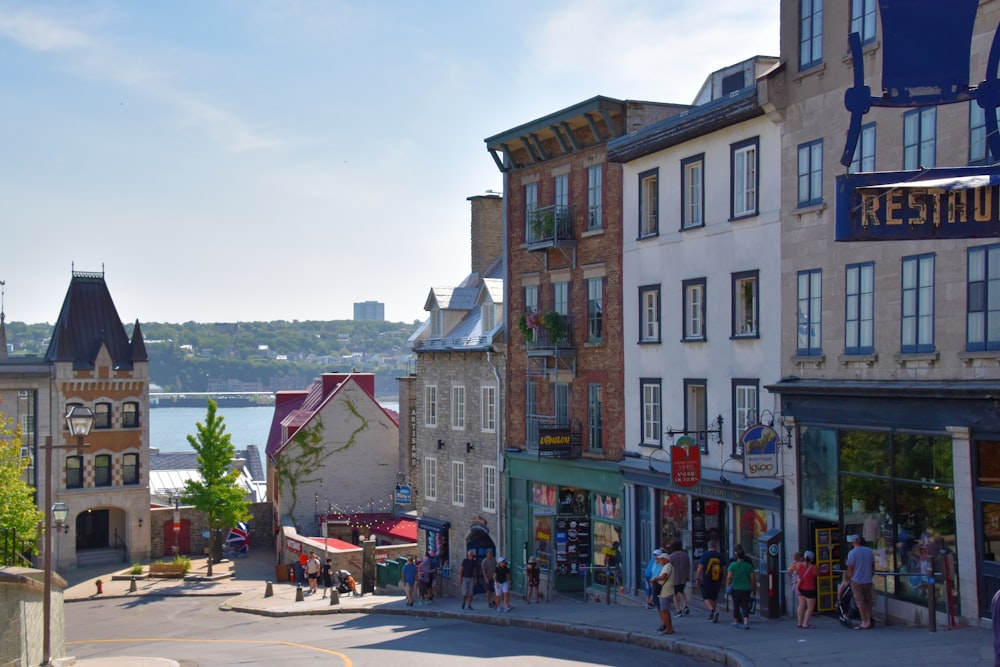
392, 572
281, 573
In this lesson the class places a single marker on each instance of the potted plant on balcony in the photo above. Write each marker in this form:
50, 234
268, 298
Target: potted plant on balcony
527, 323
543, 224
555, 322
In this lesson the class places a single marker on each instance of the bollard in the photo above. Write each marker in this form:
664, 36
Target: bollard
931, 607
299, 597
132, 588
268, 590
334, 597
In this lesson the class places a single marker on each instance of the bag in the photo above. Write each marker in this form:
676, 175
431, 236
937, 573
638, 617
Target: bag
753, 604
657, 587
714, 569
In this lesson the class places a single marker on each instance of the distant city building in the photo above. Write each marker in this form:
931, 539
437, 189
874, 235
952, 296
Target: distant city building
369, 310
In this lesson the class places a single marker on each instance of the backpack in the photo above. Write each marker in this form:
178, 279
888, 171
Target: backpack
714, 569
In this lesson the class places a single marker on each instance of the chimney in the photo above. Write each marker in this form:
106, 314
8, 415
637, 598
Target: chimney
487, 230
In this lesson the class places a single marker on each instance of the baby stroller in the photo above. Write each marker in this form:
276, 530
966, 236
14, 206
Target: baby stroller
346, 583
847, 610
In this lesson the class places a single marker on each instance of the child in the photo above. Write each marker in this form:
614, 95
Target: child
795, 570
534, 575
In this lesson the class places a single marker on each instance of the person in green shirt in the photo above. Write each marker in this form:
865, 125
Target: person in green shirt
741, 580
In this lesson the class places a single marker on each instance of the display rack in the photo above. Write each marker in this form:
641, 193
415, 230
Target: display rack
827, 555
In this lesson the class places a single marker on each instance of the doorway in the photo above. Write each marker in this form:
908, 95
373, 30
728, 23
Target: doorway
92, 529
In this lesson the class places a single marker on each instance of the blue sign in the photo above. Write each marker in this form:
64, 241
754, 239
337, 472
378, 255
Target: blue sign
404, 495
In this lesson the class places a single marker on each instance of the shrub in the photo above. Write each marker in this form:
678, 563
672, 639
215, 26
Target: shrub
136, 568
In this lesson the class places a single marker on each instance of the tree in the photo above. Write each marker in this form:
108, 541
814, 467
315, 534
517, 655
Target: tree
18, 512
216, 494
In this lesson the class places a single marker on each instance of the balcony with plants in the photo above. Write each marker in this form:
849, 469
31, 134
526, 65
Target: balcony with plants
549, 226
549, 330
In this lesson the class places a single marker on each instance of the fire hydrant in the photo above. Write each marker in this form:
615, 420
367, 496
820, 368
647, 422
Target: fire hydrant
100, 586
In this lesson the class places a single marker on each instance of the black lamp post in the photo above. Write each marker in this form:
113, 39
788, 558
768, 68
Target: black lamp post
79, 421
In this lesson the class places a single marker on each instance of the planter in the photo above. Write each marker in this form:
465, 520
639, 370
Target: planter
168, 570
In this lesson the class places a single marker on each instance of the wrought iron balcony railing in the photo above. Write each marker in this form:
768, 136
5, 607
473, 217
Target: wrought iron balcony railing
550, 225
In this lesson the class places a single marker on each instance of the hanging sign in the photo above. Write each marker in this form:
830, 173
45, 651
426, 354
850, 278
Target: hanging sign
685, 462
760, 451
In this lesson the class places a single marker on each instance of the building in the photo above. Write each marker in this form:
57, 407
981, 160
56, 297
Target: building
456, 433
369, 310
90, 361
890, 365
564, 422
702, 315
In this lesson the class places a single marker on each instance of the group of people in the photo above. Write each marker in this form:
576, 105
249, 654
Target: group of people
418, 578
858, 577
313, 570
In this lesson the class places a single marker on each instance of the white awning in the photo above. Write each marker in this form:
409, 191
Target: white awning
954, 183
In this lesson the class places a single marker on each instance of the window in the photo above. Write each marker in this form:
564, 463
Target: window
487, 313
437, 322
430, 405
595, 417
917, 314
458, 408
74, 472
693, 192
594, 198
694, 309
746, 310
649, 211
979, 150
811, 173
561, 396
489, 488
531, 413
696, 412
864, 152
430, 479
652, 412
811, 34
530, 298
489, 408
595, 309
863, 20
744, 409
102, 415
130, 468
130, 414
983, 318
457, 483
560, 297
530, 204
920, 138
744, 179
859, 319
102, 470
649, 314
810, 313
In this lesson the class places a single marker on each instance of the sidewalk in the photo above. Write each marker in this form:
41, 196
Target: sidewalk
240, 586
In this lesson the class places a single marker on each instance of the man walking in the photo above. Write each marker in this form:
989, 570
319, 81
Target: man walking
501, 582
488, 567
312, 572
860, 571
468, 571
709, 578
409, 579
682, 573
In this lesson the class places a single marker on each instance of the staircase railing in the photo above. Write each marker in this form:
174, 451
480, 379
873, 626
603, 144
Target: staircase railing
14, 549
120, 544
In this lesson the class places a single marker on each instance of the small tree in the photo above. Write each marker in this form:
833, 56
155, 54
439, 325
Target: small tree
216, 494
17, 503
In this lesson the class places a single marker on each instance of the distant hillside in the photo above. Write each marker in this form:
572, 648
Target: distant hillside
256, 356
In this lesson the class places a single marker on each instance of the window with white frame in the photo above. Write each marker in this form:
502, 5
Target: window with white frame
696, 412
863, 19
649, 314
649, 211
652, 411
859, 317
560, 297
917, 316
744, 178
983, 307
458, 407
810, 33
746, 308
489, 408
530, 298
488, 315
430, 479
693, 192
437, 322
809, 313
457, 483
694, 309
864, 152
595, 417
489, 488
595, 309
594, 198
560, 392
744, 408
430, 405
530, 204
810, 173
920, 138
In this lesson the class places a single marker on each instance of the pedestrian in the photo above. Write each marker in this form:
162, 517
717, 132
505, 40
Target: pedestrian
741, 582
651, 572
681, 562
860, 571
409, 576
534, 576
501, 583
327, 575
488, 567
468, 572
432, 569
805, 588
665, 599
300, 571
424, 579
709, 578
312, 572
794, 571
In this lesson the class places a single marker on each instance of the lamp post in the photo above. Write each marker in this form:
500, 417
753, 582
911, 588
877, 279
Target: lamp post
79, 421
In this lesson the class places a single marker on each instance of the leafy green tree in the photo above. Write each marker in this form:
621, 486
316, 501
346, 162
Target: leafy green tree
17, 503
216, 494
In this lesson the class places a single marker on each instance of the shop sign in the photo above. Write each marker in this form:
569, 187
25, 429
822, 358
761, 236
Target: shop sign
685, 462
404, 495
556, 442
760, 451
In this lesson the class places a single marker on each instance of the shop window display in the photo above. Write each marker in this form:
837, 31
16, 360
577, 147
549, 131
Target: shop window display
674, 519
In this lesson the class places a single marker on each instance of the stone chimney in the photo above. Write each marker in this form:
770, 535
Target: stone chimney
487, 230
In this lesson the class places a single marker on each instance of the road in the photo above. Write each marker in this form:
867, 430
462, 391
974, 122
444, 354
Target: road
194, 632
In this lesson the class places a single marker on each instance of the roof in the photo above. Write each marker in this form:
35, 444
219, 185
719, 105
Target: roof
169, 471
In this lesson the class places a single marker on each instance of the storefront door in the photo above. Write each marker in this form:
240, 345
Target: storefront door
989, 566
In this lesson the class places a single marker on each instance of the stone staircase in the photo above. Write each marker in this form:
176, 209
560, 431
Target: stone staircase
90, 557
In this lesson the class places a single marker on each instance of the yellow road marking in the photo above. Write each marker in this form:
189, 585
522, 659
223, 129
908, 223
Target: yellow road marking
347, 661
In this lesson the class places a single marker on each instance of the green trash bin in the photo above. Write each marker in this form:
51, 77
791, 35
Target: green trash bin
392, 572
381, 576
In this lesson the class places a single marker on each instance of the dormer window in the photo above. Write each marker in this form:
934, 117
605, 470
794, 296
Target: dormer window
437, 323
489, 317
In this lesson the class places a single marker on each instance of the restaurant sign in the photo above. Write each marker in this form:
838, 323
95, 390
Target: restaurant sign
685, 462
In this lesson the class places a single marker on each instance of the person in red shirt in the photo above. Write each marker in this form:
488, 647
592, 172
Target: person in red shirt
807, 590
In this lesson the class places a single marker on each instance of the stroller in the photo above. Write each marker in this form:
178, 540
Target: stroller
847, 610
346, 583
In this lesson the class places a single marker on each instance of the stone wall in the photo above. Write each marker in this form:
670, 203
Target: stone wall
261, 531
21, 616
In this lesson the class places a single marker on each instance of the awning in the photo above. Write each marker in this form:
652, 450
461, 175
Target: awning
433, 525
954, 183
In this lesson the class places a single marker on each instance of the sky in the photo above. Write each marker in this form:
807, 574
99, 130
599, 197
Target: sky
248, 160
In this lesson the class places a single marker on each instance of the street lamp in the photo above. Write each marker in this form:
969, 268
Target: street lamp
79, 421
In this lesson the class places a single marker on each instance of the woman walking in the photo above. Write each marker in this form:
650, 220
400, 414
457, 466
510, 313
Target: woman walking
742, 582
807, 591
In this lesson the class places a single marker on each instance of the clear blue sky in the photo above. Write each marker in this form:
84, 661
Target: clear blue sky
282, 159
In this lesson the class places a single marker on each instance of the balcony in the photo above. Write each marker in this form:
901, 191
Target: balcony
550, 227
547, 333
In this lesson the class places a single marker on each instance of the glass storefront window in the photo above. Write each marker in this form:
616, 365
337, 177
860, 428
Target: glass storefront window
750, 524
923, 457
673, 517
818, 472
605, 535
865, 451
988, 464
